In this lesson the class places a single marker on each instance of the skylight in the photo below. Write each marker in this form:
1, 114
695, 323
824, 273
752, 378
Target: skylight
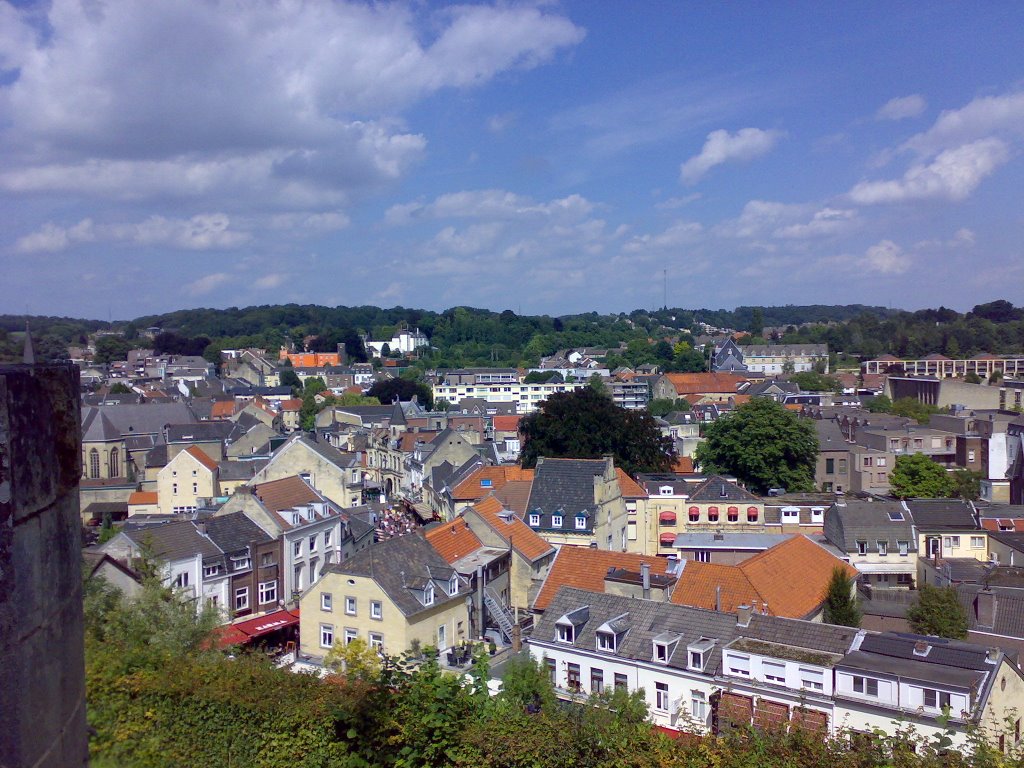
895, 515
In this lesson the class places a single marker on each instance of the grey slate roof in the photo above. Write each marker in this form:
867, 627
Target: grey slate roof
1009, 614
203, 431
238, 470
400, 566
149, 418
942, 514
234, 532
853, 521
648, 619
564, 487
174, 540
717, 488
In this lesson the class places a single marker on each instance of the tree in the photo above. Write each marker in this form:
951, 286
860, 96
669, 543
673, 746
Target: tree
597, 384
938, 612
111, 348
762, 444
972, 378
355, 659
289, 378
917, 476
585, 424
120, 389
756, 322
840, 606
966, 484
403, 389
809, 381
879, 404
913, 408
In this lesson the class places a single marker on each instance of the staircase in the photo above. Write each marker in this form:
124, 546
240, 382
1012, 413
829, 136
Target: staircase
499, 614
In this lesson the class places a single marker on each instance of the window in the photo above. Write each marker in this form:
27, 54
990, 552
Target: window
752, 514
703, 555
738, 665
948, 542
699, 706
377, 641
195, 488
661, 696
774, 672
326, 635
605, 641
115, 463
181, 580
694, 514
830, 466
350, 606
883, 547
326, 601
812, 678
534, 520
565, 633
904, 547
266, 559
881, 462
696, 660
581, 523
573, 677
970, 456
376, 609
734, 514
327, 539
935, 699
552, 671
556, 521
453, 585
268, 592
977, 542
94, 464
241, 599
713, 514
174, 488
298, 549
596, 680
867, 461
865, 685
862, 547
211, 570
428, 594
621, 682
350, 634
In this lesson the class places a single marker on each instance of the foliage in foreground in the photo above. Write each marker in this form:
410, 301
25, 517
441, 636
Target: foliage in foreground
158, 696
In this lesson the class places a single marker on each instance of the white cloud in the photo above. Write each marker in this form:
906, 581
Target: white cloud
677, 234
273, 280
760, 218
886, 258
953, 175
498, 123
207, 284
488, 204
474, 239
902, 107
724, 147
1000, 116
208, 231
678, 202
824, 223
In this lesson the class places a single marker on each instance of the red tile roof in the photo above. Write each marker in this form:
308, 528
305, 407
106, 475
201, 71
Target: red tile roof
523, 538
294, 404
791, 578
143, 497
285, 493
473, 487
701, 383
504, 423
629, 487
199, 455
222, 409
683, 465
453, 540
586, 568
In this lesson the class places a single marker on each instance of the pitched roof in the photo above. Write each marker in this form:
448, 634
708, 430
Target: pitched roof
293, 404
143, 497
564, 487
942, 514
200, 455
629, 487
488, 479
515, 495
400, 566
174, 540
506, 422
512, 529
286, 493
684, 464
717, 488
851, 521
453, 540
700, 383
586, 568
234, 532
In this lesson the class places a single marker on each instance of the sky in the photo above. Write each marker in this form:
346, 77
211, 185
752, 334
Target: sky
548, 157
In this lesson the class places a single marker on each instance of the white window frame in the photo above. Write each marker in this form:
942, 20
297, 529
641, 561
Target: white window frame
377, 641
661, 699
297, 548
428, 594
326, 635
534, 520
581, 523
977, 542
241, 599
812, 679
699, 706
738, 665
376, 610
326, 602
774, 671
350, 635
556, 521
267, 592
351, 606
565, 633
453, 585
606, 641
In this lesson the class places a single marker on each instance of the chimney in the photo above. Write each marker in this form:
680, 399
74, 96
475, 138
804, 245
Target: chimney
201, 526
986, 608
645, 573
718, 597
743, 615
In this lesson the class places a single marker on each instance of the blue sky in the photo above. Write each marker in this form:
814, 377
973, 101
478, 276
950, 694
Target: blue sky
541, 157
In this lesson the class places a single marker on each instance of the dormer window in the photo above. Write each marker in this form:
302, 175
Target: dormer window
606, 641
665, 490
485, 483
534, 520
664, 645
817, 514
581, 522
556, 521
453, 585
566, 633
698, 653
428, 594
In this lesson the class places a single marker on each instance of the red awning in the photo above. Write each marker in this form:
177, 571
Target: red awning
224, 637
667, 517
667, 539
263, 625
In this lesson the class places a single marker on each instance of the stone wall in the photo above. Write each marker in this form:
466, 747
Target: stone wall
42, 673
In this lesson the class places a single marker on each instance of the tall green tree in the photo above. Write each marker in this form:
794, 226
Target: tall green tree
938, 612
587, 425
840, 605
917, 476
386, 391
762, 444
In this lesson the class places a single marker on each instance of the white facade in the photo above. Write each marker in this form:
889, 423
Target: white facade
527, 397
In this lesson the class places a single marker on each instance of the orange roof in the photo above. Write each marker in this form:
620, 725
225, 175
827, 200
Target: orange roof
629, 487
791, 578
585, 568
488, 479
506, 423
515, 495
222, 409
143, 497
407, 440
521, 536
285, 493
199, 455
294, 404
700, 383
683, 465
312, 359
453, 540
